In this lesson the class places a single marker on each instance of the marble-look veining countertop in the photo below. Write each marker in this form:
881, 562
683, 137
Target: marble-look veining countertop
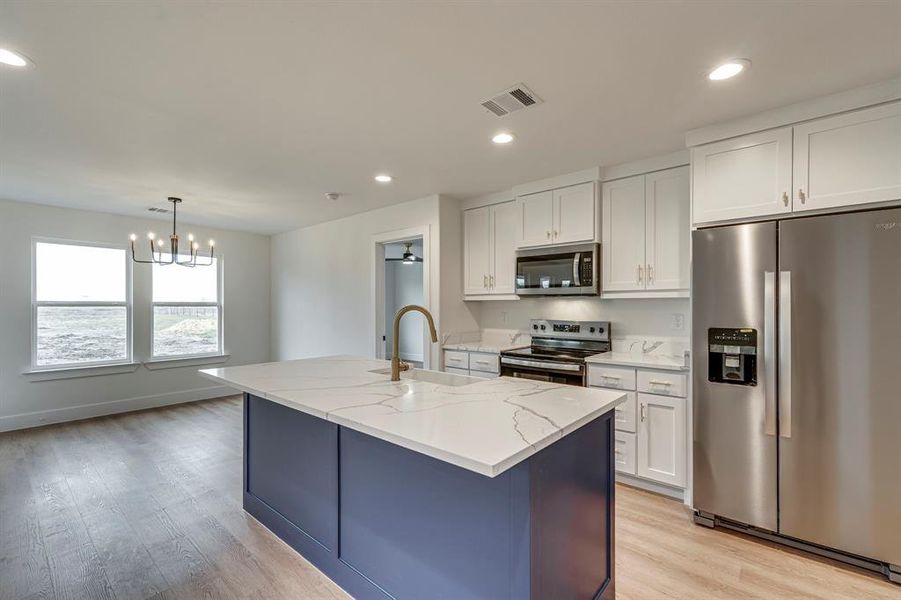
488, 347
635, 359
487, 426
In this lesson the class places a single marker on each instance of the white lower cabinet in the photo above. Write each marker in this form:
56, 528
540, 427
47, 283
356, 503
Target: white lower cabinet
651, 437
624, 452
661, 439
474, 364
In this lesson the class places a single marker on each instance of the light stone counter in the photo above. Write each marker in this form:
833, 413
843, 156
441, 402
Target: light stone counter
486, 426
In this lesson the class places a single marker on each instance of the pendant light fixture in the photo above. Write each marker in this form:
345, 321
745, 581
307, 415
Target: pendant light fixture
157, 246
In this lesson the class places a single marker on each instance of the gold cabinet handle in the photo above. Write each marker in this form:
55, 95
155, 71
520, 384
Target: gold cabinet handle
650, 274
643, 412
555, 234
640, 274
491, 281
485, 281
785, 198
802, 196
548, 234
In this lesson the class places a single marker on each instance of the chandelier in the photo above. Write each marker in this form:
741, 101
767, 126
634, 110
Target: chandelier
157, 247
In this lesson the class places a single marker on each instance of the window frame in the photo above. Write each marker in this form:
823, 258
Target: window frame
35, 304
220, 325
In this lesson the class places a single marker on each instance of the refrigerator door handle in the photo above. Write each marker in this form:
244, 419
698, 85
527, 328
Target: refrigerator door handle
785, 354
769, 351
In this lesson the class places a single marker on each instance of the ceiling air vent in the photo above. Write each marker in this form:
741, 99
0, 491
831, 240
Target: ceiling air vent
159, 210
511, 100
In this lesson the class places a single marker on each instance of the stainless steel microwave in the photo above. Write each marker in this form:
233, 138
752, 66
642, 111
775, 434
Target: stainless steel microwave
559, 271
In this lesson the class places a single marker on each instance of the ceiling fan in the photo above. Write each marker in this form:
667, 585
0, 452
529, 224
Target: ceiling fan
408, 258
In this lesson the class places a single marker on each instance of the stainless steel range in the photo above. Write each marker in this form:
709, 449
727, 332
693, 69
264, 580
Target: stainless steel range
558, 351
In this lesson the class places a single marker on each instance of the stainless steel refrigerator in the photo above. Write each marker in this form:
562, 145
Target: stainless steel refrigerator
797, 381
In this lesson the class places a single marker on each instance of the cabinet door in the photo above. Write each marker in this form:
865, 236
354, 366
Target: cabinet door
746, 177
668, 229
848, 159
503, 244
574, 214
661, 439
623, 239
537, 218
476, 250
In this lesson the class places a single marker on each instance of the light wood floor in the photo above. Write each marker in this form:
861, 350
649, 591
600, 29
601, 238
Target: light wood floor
148, 505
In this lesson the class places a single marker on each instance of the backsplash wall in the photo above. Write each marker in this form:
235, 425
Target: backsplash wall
645, 318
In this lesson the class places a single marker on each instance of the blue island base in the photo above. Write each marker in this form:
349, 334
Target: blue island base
386, 522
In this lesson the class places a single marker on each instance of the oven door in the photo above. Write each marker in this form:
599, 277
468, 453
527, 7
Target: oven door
541, 370
561, 271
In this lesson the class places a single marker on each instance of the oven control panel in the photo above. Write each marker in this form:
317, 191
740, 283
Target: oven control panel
577, 330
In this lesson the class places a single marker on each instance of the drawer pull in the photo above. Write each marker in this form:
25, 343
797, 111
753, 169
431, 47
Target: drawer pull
618, 452
658, 382
613, 377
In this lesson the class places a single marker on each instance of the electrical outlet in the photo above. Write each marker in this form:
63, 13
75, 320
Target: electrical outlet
678, 322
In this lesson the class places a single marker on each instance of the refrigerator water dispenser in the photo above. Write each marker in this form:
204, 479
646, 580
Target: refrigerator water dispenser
732, 356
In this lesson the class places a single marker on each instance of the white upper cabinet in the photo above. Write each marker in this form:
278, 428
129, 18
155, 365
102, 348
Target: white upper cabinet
668, 229
537, 218
742, 178
504, 218
476, 250
574, 214
849, 159
623, 238
646, 235
561, 216
489, 250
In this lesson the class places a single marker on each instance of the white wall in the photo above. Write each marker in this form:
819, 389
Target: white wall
25, 403
322, 301
651, 318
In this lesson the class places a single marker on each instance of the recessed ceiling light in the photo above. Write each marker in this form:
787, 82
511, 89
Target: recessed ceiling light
13, 59
382, 178
729, 69
502, 138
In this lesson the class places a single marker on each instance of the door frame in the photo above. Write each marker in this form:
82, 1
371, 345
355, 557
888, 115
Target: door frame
377, 286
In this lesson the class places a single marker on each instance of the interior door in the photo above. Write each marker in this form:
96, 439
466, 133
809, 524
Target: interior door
668, 227
537, 214
623, 238
503, 236
849, 159
734, 449
476, 251
840, 396
574, 216
743, 178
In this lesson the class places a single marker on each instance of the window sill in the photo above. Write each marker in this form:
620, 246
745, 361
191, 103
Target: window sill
187, 361
51, 374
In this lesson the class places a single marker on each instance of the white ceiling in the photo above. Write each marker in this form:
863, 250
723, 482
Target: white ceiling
251, 111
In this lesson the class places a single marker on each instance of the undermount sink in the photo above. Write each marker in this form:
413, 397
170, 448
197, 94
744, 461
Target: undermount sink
439, 377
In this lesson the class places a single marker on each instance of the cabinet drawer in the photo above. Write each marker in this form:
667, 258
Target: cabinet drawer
456, 359
487, 363
456, 371
624, 452
624, 417
664, 383
616, 378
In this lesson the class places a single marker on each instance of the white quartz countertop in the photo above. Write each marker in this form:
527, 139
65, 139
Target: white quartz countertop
487, 347
487, 426
634, 359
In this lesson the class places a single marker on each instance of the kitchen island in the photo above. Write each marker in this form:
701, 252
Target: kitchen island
437, 486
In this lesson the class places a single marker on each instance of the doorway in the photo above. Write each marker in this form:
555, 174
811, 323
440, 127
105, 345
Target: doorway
401, 277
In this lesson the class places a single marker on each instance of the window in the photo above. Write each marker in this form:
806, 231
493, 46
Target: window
187, 311
81, 305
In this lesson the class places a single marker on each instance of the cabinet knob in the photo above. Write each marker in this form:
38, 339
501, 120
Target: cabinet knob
548, 234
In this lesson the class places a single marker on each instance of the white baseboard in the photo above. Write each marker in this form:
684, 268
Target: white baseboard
652, 486
99, 409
